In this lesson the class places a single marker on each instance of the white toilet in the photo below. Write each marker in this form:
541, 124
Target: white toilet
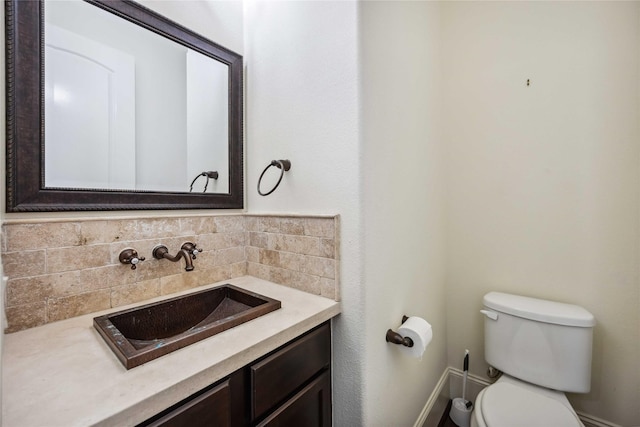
543, 349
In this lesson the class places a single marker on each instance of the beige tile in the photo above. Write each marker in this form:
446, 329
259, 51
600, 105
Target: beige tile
292, 226
157, 228
222, 240
96, 232
296, 251
27, 290
229, 256
39, 236
25, 316
291, 261
77, 257
153, 268
63, 284
129, 294
328, 248
198, 225
176, 283
181, 282
228, 224
319, 227
328, 288
238, 269
258, 270
258, 240
252, 254
252, 223
216, 274
323, 267
24, 263
294, 279
107, 277
269, 224
297, 244
76, 305
269, 257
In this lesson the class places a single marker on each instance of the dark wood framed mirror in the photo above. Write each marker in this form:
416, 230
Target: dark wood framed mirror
27, 188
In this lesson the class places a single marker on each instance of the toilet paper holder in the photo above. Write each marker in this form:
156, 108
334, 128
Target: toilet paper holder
396, 338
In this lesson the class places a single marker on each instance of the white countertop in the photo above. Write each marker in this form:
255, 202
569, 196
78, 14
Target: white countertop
64, 374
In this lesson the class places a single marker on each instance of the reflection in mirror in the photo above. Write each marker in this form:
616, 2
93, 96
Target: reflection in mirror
111, 106
123, 103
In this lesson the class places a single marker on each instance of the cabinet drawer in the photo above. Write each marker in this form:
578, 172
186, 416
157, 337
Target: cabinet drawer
310, 407
222, 405
209, 409
279, 375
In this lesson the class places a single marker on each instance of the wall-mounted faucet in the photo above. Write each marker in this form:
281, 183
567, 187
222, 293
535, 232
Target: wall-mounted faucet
188, 251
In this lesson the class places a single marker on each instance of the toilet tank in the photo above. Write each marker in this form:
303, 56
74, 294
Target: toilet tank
542, 342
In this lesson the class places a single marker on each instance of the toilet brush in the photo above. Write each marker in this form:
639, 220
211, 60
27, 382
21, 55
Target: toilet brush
464, 378
460, 412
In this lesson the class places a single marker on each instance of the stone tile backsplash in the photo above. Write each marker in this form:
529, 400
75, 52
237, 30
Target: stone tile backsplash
59, 270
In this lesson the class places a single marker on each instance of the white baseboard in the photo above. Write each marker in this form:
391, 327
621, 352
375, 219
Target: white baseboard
591, 421
450, 386
433, 409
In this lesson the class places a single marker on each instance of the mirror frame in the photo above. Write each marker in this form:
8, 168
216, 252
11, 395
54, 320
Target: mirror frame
25, 190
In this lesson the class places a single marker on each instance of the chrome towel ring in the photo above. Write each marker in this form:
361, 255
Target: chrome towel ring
283, 165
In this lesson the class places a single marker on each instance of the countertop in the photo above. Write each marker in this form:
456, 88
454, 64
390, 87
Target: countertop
64, 374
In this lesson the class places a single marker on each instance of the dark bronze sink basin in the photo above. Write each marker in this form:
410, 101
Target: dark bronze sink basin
144, 333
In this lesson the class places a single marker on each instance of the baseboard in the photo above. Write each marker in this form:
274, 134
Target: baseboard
433, 409
450, 386
591, 421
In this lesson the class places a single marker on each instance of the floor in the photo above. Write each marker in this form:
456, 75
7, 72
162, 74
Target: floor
445, 421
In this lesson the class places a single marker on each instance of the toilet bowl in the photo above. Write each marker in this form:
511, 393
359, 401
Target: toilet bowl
511, 402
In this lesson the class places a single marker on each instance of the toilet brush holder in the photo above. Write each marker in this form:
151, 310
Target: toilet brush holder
460, 412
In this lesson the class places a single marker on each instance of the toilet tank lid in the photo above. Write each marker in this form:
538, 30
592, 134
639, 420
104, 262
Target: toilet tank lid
540, 310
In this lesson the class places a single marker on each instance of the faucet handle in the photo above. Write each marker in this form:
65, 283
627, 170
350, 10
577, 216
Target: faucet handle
130, 256
192, 249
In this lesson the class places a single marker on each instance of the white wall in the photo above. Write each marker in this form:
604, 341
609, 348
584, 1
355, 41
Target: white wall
403, 205
543, 181
221, 21
302, 105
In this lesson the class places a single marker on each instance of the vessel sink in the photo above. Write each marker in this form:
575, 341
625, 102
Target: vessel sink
141, 334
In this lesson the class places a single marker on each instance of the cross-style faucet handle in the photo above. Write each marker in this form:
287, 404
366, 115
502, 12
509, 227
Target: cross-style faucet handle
130, 256
192, 249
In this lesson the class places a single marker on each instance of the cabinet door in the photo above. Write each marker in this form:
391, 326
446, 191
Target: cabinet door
279, 375
311, 407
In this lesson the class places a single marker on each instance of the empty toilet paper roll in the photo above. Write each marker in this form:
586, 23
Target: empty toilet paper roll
419, 330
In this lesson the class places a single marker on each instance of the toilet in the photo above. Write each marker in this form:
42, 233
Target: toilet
543, 349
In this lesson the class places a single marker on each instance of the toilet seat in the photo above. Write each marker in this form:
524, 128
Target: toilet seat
504, 404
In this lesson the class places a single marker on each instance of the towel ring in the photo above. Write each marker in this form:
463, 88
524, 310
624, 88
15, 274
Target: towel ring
283, 165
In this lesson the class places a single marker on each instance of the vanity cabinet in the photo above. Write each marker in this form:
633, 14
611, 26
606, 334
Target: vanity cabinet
291, 386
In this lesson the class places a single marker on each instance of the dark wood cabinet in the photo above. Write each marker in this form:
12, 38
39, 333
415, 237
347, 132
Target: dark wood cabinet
310, 407
291, 386
221, 404
278, 375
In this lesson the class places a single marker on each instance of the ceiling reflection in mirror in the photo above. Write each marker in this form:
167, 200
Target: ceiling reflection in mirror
129, 109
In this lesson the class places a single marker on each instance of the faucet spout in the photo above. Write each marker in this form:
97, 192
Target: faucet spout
161, 251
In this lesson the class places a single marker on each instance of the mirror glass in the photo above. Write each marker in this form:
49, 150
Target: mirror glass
127, 108
111, 106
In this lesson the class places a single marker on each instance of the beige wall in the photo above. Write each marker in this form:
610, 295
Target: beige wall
403, 209
544, 180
